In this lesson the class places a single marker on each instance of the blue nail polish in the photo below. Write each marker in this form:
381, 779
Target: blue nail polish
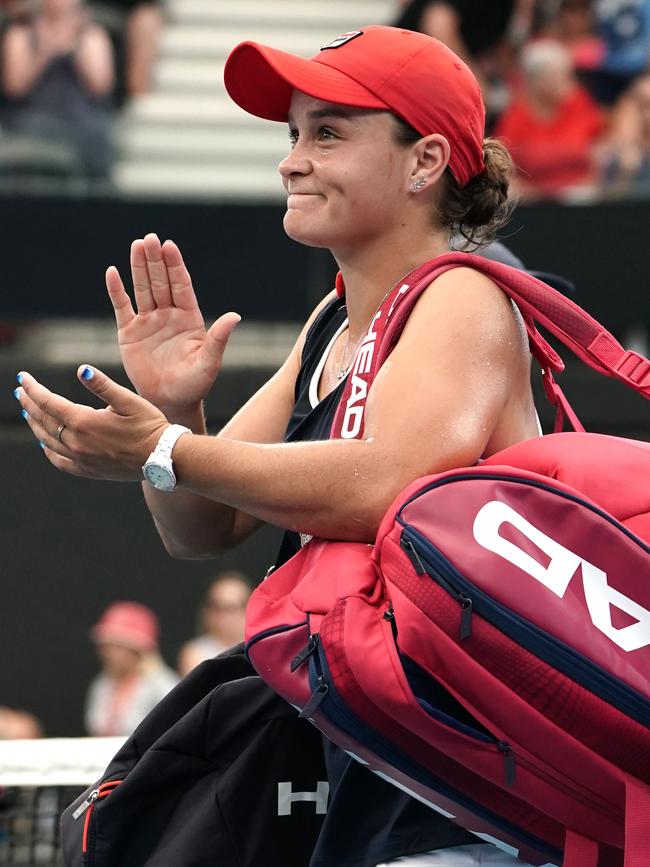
19, 377
87, 373
17, 393
24, 413
41, 444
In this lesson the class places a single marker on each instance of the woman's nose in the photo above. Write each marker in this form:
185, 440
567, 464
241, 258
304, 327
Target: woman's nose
295, 163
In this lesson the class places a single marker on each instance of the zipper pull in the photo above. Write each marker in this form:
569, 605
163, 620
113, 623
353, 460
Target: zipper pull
412, 554
81, 809
313, 703
509, 760
466, 608
305, 653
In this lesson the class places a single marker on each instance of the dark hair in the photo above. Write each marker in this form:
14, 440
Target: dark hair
475, 212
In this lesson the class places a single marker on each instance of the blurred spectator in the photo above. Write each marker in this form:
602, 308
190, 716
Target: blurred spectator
478, 31
18, 725
551, 128
133, 678
574, 25
57, 77
221, 620
624, 26
135, 27
626, 169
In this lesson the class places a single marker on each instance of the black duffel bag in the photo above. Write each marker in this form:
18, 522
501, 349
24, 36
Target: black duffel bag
221, 772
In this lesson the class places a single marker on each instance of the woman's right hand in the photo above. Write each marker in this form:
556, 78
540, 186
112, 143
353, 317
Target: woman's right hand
167, 353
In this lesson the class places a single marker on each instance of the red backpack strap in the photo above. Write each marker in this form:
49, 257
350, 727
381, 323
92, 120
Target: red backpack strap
590, 341
537, 302
557, 398
579, 851
380, 338
637, 822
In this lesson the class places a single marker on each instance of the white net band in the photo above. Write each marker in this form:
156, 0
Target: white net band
55, 761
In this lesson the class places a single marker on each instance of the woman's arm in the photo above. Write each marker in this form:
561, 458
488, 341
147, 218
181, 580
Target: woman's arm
434, 405
173, 362
197, 527
460, 368
94, 61
21, 64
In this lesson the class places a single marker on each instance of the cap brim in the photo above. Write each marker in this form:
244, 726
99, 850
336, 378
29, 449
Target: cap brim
261, 80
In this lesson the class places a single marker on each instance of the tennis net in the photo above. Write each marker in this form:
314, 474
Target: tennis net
38, 779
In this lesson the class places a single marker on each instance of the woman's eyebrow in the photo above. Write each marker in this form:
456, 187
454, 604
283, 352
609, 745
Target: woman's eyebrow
333, 111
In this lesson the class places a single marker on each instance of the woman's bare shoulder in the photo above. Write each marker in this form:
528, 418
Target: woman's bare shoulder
468, 302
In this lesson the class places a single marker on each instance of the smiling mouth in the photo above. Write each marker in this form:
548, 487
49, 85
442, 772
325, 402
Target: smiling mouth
295, 200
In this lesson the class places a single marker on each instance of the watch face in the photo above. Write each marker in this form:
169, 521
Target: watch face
160, 477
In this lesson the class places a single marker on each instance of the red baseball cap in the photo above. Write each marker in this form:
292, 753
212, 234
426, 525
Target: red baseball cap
410, 74
128, 624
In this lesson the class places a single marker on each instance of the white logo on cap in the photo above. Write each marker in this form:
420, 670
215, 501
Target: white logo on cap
342, 39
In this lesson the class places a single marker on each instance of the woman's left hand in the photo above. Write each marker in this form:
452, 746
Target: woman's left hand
111, 443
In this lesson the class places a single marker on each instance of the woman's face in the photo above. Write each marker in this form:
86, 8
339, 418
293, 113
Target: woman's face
225, 610
117, 660
346, 178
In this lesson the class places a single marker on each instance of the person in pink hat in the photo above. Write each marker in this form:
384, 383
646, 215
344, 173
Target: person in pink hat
386, 163
133, 678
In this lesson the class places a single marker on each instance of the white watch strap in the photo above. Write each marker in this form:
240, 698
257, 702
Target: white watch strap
168, 440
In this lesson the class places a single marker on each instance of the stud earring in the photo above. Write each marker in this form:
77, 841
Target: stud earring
417, 185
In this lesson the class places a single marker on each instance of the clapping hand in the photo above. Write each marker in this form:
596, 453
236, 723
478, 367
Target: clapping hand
111, 443
169, 356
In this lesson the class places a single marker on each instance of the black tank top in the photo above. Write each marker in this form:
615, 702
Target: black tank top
369, 820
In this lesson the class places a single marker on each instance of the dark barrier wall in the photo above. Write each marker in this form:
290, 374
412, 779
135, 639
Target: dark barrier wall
54, 254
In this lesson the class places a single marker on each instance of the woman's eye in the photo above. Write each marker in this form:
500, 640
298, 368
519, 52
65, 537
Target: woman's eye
324, 134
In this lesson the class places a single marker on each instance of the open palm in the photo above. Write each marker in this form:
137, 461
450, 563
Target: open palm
169, 356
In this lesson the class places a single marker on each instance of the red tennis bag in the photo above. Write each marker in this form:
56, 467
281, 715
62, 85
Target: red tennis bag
490, 654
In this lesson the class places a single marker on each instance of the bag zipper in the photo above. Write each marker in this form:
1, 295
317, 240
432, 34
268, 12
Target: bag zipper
551, 650
276, 630
102, 791
304, 654
464, 600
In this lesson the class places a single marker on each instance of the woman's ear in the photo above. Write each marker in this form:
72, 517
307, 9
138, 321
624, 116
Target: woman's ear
432, 154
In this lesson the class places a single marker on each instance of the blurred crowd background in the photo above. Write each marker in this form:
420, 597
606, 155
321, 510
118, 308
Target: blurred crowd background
114, 95
114, 122
132, 674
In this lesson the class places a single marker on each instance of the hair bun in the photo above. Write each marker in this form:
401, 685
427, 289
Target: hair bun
478, 210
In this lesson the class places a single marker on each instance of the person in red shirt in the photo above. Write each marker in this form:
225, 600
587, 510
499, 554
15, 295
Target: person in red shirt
552, 128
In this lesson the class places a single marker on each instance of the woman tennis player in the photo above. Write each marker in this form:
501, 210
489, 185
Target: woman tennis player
387, 161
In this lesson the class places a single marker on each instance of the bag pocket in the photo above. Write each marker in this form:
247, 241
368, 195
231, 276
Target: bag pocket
577, 695
435, 739
412, 759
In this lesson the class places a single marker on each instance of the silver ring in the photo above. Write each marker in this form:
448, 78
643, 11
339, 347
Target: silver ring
59, 431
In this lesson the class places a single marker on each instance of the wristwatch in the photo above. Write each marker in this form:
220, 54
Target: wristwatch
158, 469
